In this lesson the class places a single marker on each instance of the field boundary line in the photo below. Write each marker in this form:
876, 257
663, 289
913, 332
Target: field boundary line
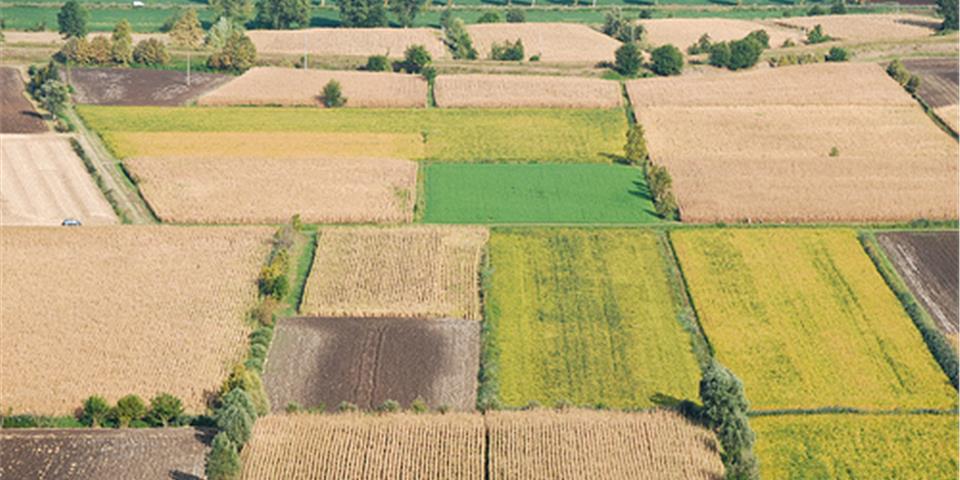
488, 388
845, 411
628, 105
687, 311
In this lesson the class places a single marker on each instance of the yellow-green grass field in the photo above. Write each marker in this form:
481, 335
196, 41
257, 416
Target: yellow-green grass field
585, 316
462, 135
845, 446
806, 321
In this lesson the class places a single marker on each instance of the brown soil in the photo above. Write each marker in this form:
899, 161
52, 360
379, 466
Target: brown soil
927, 262
132, 86
367, 361
17, 115
938, 80
93, 453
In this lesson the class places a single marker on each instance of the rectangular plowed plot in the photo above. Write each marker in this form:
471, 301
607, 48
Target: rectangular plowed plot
348, 42
507, 91
857, 446
927, 262
139, 86
255, 190
552, 42
939, 85
802, 315
366, 447
367, 361
96, 453
524, 193
43, 182
17, 114
114, 311
422, 272
586, 317
542, 445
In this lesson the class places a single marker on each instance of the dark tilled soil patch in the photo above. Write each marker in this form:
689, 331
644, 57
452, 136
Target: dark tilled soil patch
17, 114
135, 86
928, 264
938, 80
152, 453
367, 361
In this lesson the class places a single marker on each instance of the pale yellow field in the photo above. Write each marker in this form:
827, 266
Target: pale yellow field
683, 32
366, 447
351, 42
396, 272
950, 115
599, 444
870, 27
508, 91
554, 42
118, 310
289, 86
255, 190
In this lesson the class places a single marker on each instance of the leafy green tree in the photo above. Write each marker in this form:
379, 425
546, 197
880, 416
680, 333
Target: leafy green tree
234, 420
725, 411
913, 83
122, 50
816, 35
377, 63
719, 54
507, 51
332, 95
237, 11
616, 25
95, 411
164, 408
54, 96
635, 149
458, 41
838, 54
760, 36
219, 33
151, 52
248, 381
415, 58
744, 53
515, 15
667, 60
283, 14
237, 55
628, 59
187, 31
839, 7
128, 409
223, 461
898, 72
406, 11
72, 20
702, 45
362, 13
948, 10
490, 17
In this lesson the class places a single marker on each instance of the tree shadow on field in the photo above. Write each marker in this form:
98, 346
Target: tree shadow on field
617, 159
178, 475
688, 408
641, 190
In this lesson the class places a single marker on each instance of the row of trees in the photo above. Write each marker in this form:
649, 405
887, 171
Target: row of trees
164, 410
664, 60
285, 14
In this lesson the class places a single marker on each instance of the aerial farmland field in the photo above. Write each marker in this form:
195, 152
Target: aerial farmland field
802, 315
17, 114
585, 316
527, 91
683, 32
553, 42
867, 27
138, 86
360, 42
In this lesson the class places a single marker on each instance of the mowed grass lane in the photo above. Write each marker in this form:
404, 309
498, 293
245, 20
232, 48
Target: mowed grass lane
806, 321
585, 316
459, 135
535, 193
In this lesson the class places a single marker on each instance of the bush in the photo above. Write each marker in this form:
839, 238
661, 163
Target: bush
377, 63
635, 149
237, 55
744, 54
898, 72
235, 421
54, 96
74, 50
725, 411
719, 54
616, 25
332, 98
389, 406
265, 311
429, 74
345, 407
273, 280
72, 20
458, 41
223, 461
816, 10
839, 7
164, 409
414, 59
628, 59
759, 36
490, 17
249, 381
100, 51
151, 52
913, 83
419, 405
515, 15
838, 54
507, 51
128, 409
667, 60
817, 36
95, 411
702, 45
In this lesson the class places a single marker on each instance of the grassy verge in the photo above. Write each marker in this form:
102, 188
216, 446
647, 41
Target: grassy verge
107, 192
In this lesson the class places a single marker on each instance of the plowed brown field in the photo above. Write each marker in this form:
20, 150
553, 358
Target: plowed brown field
348, 42
139, 86
939, 86
509, 91
554, 42
17, 115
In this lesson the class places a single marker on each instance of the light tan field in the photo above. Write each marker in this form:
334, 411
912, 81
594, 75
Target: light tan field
42, 182
866, 28
950, 115
554, 42
54, 38
423, 272
254, 190
515, 91
599, 444
366, 447
118, 310
683, 32
348, 42
289, 86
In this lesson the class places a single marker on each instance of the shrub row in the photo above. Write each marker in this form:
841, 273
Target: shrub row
164, 410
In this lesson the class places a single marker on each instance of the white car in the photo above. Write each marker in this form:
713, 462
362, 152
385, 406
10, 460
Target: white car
70, 222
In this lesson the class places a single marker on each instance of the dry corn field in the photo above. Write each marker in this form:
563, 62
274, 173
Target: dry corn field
253, 190
683, 32
120, 310
289, 86
554, 42
599, 444
514, 91
403, 272
348, 42
866, 28
358, 446
950, 115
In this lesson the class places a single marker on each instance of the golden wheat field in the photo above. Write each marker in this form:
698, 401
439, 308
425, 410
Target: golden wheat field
599, 444
683, 32
554, 42
866, 28
359, 446
296, 86
348, 42
118, 310
950, 115
510, 91
396, 272
254, 190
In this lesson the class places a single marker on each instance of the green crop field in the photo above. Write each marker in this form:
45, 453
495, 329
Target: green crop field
806, 321
459, 135
842, 446
585, 316
535, 193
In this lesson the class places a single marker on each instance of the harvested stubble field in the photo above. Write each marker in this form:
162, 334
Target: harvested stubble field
367, 361
683, 32
597, 444
82, 453
349, 42
585, 316
256, 190
366, 447
422, 272
131, 312
17, 114
950, 116
42, 182
289, 86
801, 315
927, 262
554, 42
449, 135
139, 86
866, 28
544, 193
513, 91
857, 446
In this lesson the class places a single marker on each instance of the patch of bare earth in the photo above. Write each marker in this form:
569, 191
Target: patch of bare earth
939, 86
17, 114
138, 86
514, 91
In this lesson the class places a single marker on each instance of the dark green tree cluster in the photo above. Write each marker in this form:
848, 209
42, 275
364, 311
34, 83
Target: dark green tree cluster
515, 15
507, 51
283, 14
725, 411
458, 40
362, 13
907, 80
72, 20
164, 410
628, 59
948, 10
739, 54
661, 189
236, 11
45, 86
490, 17
406, 11
617, 25
816, 35
332, 96
838, 54
666, 60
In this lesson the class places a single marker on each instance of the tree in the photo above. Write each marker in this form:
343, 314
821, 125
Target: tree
507, 51
72, 20
635, 149
628, 59
490, 17
839, 7
406, 11
237, 55
54, 96
362, 13
237, 11
164, 408
724, 410
377, 63
913, 83
838, 54
122, 37
128, 409
186, 31
760, 36
744, 53
415, 58
702, 45
817, 36
283, 14
151, 52
719, 54
948, 10
515, 15
616, 25
332, 96
223, 461
667, 60
101, 50
458, 41
95, 411
235, 421
249, 382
